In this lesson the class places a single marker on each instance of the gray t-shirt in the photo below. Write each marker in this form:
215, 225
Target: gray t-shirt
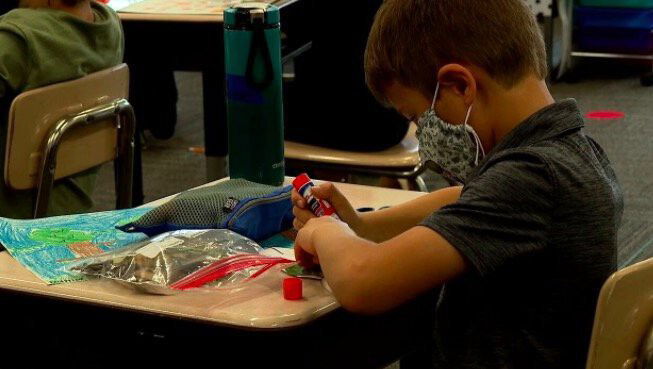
537, 223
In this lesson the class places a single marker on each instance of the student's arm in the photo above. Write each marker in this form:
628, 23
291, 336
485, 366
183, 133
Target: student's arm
379, 225
13, 62
503, 216
369, 278
385, 224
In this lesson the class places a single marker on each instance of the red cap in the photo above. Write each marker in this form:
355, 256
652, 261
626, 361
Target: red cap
300, 180
292, 288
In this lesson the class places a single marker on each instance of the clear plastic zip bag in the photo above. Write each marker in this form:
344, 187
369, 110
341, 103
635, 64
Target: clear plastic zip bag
182, 260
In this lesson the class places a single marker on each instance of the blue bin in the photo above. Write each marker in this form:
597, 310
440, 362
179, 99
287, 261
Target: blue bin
614, 30
617, 3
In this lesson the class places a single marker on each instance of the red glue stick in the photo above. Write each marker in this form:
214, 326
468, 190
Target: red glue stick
303, 185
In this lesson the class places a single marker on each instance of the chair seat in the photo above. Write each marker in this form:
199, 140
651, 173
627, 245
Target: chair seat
403, 155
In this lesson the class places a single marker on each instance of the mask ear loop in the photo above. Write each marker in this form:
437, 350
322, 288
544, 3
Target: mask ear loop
435, 96
479, 145
477, 140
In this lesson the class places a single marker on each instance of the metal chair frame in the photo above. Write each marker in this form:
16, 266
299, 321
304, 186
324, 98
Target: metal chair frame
122, 112
412, 174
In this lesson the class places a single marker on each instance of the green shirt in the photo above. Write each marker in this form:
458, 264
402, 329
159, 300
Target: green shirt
41, 47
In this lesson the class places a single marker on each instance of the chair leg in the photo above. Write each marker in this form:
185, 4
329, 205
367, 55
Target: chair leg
124, 163
46, 182
419, 183
124, 184
49, 164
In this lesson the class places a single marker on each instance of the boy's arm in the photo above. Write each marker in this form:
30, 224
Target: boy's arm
371, 278
385, 224
502, 216
379, 225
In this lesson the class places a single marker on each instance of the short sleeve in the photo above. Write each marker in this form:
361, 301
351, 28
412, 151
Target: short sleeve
502, 214
14, 62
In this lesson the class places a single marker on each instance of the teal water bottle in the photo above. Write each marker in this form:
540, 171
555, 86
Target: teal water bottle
252, 39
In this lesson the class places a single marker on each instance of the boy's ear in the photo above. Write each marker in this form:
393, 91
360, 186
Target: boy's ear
461, 79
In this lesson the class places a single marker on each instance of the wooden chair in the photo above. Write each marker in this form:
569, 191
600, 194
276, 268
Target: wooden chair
399, 161
622, 336
66, 128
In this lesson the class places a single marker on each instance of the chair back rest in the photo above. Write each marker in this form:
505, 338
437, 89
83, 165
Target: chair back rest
34, 113
623, 318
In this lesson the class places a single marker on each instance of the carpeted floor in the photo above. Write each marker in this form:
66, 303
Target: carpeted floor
169, 166
629, 145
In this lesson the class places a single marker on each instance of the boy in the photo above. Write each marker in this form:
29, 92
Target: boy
524, 246
45, 42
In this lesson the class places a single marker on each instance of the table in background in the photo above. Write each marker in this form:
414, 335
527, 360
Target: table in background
195, 43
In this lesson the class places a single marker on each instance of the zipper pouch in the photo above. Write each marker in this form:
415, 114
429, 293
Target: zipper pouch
229, 267
253, 210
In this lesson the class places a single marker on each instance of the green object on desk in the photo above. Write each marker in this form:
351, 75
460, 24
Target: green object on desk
60, 236
252, 41
299, 271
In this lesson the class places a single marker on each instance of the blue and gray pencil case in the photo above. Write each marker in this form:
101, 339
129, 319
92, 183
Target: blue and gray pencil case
254, 210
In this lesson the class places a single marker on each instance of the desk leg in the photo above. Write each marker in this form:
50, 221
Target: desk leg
215, 122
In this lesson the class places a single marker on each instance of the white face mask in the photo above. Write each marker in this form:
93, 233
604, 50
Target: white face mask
454, 150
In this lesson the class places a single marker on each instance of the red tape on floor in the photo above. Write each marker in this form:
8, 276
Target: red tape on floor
605, 115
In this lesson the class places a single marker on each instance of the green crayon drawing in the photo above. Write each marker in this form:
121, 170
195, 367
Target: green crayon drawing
60, 236
45, 245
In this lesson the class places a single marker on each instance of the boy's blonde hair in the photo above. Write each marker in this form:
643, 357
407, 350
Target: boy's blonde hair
411, 40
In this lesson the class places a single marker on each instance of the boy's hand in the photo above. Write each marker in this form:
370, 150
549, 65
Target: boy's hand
305, 242
328, 192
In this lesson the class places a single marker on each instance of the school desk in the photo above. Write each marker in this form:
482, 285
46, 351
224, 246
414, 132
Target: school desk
261, 310
165, 42
175, 10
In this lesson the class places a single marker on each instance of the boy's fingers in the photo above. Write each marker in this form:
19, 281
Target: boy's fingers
304, 258
297, 224
297, 199
331, 193
323, 191
302, 214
